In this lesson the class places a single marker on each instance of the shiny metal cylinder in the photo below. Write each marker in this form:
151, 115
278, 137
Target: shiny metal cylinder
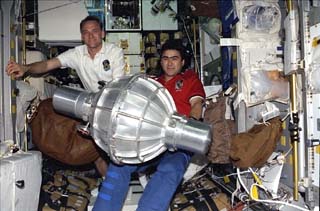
72, 102
188, 134
134, 119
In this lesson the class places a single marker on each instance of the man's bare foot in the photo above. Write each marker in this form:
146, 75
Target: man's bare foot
101, 166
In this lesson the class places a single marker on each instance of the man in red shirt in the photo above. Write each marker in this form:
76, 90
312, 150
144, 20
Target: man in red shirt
188, 95
185, 87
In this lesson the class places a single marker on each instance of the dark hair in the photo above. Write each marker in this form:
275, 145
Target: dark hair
177, 44
91, 18
174, 45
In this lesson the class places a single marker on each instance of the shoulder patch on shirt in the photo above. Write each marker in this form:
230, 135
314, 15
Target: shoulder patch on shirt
179, 84
106, 65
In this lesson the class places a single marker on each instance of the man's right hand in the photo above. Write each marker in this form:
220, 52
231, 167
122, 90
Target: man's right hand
15, 70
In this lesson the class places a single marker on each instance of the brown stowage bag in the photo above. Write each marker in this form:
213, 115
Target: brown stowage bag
56, 136
253, 148
222, 131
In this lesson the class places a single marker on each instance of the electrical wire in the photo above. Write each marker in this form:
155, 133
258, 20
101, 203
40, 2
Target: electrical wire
52, 8
241, 181
188, 36
191, 44
275, 202
263, 200
280, 159
242, 172
285, 117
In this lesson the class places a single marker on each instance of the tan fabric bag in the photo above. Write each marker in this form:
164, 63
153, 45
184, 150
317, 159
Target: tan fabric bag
56, 136
222, 131
253, 148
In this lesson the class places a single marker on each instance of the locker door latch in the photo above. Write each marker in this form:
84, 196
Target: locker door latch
20, 184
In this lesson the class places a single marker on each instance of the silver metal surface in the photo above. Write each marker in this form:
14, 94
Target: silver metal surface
72, 102
134, 119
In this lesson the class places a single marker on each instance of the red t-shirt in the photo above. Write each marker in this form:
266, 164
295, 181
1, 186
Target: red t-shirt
182, 88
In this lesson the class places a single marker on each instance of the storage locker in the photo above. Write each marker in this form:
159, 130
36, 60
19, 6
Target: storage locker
20, 181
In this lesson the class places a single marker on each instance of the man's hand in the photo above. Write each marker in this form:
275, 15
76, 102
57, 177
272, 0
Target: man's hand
15, 70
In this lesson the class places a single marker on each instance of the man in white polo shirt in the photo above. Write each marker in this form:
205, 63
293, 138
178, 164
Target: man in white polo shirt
94, 61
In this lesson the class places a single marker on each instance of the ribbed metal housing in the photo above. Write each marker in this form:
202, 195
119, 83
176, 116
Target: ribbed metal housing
133, 119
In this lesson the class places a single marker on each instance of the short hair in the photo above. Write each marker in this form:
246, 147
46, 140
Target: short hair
91, 18
174, 44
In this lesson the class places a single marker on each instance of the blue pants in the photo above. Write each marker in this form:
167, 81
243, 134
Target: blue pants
159, 190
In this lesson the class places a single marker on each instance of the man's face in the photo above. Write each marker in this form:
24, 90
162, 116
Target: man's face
91, 34
171, 63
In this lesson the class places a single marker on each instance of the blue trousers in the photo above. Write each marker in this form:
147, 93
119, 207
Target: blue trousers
157, 195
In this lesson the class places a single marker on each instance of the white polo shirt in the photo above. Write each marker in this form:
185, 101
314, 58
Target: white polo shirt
90, 71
